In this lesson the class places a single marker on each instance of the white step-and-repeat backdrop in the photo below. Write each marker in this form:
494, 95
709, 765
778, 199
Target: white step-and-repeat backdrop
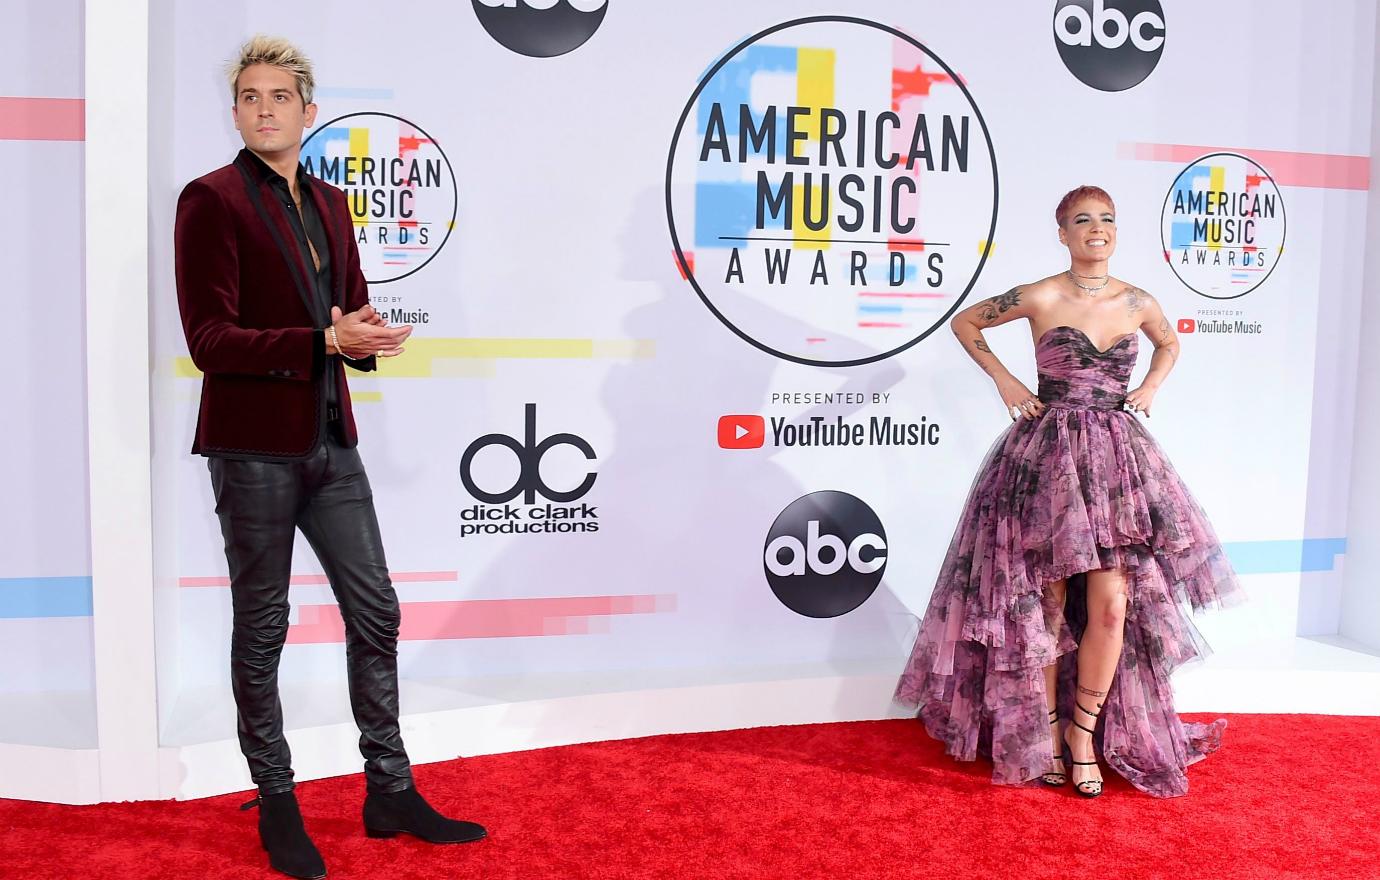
680, 275
46, 657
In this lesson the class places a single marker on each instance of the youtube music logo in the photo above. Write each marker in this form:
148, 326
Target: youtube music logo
742, 432
750, 432
1186, 325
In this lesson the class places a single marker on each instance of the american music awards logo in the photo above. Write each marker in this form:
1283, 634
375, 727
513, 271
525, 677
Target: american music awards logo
831, 190
1223, 225
399, 185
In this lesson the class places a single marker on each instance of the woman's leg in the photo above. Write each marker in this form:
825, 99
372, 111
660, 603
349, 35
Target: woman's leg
1099, 651
1054, 613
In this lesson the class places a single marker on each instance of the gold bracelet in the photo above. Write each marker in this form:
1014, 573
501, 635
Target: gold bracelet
335, 340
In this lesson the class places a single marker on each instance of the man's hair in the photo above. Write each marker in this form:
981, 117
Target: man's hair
276, 52
1061, 212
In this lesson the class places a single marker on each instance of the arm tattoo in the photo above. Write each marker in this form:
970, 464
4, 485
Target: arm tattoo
999, 305
980, 345
1166, 338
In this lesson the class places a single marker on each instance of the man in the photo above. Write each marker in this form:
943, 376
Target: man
274, 305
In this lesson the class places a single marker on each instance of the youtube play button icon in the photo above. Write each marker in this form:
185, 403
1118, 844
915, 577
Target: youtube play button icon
742, 432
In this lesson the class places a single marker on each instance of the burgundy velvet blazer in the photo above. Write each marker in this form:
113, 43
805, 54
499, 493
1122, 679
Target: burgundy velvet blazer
245, 298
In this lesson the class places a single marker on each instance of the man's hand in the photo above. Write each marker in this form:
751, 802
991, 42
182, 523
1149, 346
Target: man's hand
365, 332
371, 316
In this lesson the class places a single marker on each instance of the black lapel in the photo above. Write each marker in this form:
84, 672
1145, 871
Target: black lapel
293, 258
334, 240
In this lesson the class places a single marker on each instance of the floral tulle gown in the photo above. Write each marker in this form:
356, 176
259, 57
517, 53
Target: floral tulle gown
1082, 487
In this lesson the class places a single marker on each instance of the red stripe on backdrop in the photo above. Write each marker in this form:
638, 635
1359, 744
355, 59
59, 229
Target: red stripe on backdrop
42, 119
1322, 170
485, 618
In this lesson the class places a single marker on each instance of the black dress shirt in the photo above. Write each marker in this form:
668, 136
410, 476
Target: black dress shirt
307, 226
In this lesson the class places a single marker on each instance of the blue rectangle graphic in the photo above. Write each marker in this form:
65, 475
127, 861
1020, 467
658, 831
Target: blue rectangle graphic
45, 597
1274, 557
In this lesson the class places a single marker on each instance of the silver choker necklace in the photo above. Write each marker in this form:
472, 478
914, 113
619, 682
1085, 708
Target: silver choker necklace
1106, 279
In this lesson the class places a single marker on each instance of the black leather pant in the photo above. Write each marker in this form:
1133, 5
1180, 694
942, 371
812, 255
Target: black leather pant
261, 504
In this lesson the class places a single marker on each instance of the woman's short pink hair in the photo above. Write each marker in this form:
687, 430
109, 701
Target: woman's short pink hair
1061, 213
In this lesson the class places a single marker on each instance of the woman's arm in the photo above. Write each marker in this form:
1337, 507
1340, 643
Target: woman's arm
968, 325
1159, 331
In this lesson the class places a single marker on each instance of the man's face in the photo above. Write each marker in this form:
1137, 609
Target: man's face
268, 109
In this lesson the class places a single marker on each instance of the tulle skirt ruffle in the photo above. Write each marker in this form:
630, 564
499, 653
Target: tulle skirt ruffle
1073, 491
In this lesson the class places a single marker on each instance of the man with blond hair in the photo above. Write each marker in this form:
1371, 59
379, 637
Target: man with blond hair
274, 306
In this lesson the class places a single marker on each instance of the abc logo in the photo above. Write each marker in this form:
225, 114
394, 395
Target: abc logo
1110, 45
529, 452
825, 554
541, 28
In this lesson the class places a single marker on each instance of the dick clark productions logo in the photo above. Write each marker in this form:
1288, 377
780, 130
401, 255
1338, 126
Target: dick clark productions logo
541, 28
825, 554
496, 515
1110, 45
831, 190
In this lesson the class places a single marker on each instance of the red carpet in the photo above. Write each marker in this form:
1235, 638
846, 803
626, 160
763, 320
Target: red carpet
1287, 797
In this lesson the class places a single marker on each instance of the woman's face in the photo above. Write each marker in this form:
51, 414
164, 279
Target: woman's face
1089, 230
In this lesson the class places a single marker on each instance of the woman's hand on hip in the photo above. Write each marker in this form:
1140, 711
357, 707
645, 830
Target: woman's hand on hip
1139, 401
1020, 403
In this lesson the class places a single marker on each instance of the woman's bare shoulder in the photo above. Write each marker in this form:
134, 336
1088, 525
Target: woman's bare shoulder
1136, 299
1042, 292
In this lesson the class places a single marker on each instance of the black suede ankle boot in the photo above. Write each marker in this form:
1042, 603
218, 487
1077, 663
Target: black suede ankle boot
388, 814
285, 838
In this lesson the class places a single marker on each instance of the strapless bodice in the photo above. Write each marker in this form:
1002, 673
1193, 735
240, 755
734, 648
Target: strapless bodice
1074, 374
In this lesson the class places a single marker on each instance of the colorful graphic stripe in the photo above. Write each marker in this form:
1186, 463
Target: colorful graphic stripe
1283, 557
486, 618
39, 597
42, 119
436, 357
45, 597
311, 580
1321, 170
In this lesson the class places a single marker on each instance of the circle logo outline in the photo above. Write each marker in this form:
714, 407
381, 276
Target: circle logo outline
1284, 222
454, 189
492, 25
820, 505
1071, 60
670, 206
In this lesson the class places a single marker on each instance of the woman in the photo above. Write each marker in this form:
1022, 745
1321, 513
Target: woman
1056, 621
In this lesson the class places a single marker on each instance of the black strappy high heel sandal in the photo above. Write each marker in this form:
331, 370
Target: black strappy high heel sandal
1055, 778
1094, 786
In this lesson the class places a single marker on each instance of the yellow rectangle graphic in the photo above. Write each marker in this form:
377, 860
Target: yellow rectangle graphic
472, 358
814, 84
359, 148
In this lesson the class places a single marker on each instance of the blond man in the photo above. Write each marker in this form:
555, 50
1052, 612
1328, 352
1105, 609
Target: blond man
274, 307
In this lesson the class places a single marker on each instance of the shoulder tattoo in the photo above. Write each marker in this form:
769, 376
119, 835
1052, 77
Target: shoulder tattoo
1136, 299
